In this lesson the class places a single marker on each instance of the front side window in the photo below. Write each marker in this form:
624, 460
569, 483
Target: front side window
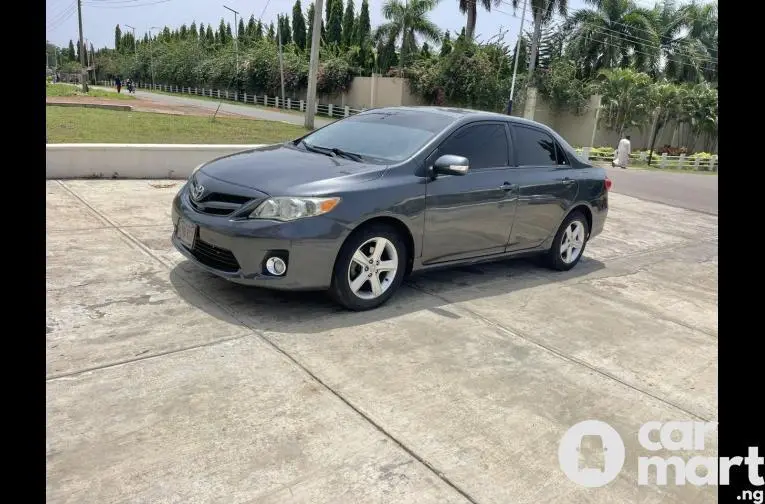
384, 136
484, 145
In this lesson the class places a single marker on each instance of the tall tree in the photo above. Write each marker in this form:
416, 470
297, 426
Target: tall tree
221, 34
363, 25
271, 32
117, 38
202, 31
242, 33
349, 20
210, 36
251, 25
298, 25
183, 32
470, 7
335, 23
193, 31
259, 31
285, 30
542, 13
229, 33
70, 52
407, 21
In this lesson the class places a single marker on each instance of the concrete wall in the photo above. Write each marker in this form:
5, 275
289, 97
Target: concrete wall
578, 129
370, 92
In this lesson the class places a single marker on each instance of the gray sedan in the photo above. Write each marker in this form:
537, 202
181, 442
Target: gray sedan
356, 206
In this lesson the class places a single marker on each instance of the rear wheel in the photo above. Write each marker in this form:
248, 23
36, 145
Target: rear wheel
369, 268
568, 245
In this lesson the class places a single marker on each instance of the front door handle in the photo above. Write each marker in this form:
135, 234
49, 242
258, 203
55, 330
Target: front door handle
567, 180
507, 186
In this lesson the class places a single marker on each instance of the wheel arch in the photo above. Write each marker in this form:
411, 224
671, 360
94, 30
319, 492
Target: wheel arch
397, 224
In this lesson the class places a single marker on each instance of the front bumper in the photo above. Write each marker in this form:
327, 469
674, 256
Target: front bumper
237, 250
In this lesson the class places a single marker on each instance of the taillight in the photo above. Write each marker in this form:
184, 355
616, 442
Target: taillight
608, 184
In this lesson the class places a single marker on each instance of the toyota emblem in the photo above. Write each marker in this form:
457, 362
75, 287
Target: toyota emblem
197, 191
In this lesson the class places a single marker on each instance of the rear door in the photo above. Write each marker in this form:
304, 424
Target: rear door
470, 215
547, 186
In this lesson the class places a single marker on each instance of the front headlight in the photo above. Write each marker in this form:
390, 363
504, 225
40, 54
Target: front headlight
288, 209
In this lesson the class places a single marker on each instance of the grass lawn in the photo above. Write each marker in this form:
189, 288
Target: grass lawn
67, 90
83, 125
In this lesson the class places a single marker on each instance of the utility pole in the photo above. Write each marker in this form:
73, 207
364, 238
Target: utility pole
281, 59
313, 69
517, 53
236, 45
82, 48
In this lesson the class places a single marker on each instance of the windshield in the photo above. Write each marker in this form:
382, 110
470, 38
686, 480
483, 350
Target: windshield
385, 136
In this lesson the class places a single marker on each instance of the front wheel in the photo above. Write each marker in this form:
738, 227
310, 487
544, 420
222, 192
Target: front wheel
369, 268
568, 245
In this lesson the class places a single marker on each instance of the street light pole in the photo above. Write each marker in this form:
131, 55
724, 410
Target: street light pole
236, 44
313, 69
517, 53
82, 48
281, 59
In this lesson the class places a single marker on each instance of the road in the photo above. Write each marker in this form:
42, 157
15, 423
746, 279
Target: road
232, 108
684, 190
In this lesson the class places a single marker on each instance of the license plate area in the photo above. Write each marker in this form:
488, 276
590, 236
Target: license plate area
186, 232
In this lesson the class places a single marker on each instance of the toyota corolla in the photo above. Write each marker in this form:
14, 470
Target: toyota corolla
356, 206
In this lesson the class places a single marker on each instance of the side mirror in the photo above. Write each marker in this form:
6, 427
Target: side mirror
451, 165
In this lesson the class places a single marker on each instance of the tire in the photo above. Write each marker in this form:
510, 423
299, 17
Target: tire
573, 226
366, 295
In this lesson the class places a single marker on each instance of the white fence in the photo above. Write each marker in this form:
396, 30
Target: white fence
322, 109
689, 162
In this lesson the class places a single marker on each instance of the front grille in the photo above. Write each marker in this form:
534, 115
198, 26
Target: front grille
219, 204
215, 257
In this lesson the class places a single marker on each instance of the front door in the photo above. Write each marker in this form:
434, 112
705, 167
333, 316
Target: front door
547, 187
470, 215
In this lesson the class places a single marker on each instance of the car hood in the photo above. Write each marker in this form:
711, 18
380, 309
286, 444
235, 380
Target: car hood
281, 170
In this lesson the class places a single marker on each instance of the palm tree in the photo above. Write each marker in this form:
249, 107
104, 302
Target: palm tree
542, 12
470, 7
615, 34
407, 21
692, 53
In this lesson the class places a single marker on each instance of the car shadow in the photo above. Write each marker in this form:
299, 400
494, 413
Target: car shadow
314, 312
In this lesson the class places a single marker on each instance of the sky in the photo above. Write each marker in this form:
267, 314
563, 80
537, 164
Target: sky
99, 17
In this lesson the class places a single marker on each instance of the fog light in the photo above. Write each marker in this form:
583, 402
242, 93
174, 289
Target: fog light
276, 266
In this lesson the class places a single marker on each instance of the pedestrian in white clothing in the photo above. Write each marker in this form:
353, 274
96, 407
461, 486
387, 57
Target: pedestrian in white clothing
623, 152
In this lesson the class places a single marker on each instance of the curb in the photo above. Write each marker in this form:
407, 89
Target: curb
133, 161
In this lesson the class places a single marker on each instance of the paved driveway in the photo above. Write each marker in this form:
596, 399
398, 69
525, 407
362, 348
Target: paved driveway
166, 384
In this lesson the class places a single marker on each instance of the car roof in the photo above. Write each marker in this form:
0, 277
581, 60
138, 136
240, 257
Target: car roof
457, 113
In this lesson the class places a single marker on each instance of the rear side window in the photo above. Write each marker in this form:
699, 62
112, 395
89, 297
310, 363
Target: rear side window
535, 147
484, 145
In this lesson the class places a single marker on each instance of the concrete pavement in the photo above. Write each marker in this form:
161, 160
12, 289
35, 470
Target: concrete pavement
166, 384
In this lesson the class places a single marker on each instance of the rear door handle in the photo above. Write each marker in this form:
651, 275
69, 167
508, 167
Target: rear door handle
567, 180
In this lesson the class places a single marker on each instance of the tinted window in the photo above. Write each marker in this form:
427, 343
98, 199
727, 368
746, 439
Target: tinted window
535, 148
383, 136
562, 159
484, 145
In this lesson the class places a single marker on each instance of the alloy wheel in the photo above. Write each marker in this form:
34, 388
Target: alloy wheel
373, 268
572, 243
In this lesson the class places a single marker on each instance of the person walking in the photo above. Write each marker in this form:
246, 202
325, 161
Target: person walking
118, 83
623, 152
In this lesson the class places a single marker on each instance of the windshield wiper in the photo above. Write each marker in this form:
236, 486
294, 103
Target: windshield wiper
334, 151
348, 155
